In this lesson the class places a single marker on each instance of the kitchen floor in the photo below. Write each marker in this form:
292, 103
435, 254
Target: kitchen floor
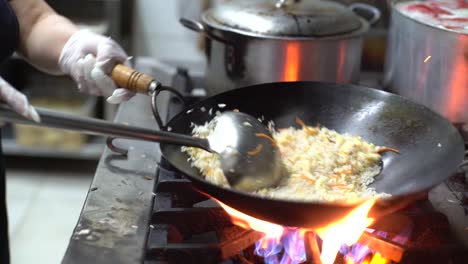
44, 205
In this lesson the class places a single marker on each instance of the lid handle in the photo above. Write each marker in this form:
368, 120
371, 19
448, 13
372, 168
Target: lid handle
284, 3
371, 13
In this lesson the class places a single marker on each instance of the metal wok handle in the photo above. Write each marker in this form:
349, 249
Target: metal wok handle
133, 80
94, 126
154, 106
366, 9
139, 82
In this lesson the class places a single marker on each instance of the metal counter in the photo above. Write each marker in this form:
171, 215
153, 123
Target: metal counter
114, 222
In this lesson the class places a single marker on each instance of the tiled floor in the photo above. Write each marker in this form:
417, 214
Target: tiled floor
43, 209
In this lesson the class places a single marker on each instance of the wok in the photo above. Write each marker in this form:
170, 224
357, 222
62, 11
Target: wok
431, 148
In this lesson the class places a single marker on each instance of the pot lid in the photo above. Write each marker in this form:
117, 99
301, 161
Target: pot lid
285, 18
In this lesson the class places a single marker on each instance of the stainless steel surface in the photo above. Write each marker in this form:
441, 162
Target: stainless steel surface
270, 19
446, 202
254, 61
115, 218
250, 161
430, 66
237, 58
99, 127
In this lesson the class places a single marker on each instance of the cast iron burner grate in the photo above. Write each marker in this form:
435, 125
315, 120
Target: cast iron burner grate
187, 227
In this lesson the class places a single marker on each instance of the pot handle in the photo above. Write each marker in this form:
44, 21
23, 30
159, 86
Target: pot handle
372, 11
193, 25
200, 28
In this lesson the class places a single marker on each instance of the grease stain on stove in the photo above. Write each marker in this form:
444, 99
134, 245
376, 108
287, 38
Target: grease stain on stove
107, 229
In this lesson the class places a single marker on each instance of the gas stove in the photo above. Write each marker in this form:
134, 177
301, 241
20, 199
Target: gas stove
184, 226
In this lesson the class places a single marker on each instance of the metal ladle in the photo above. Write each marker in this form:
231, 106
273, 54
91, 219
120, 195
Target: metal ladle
248, 159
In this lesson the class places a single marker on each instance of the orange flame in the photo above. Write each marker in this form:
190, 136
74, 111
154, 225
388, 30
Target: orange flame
292, 62
378, 259
457, 84
249, 222
345, 231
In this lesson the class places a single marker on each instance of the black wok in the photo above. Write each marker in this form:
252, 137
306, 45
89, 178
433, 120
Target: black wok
431, 148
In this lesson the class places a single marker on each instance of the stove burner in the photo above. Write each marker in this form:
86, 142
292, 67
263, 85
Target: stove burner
187, 227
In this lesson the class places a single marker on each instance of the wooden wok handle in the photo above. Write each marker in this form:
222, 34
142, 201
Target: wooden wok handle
133, 80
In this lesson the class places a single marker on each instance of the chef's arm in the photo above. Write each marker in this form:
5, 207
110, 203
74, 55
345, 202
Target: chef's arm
43, 33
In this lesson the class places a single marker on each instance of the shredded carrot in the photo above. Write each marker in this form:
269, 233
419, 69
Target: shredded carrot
307, 178
388, 149
256, 150
300, 122
347, 171
334, 176
309, 130
341, 186
263, 135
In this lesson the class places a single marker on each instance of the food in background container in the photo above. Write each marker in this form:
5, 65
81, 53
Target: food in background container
445, 14
32, 136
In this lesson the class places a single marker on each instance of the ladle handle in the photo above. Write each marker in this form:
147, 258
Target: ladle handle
134, 80
92, 126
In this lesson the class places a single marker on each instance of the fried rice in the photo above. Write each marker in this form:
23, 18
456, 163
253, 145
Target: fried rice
322, 164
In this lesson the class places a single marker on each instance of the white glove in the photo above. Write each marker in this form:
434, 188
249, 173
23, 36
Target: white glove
17, 101
89, 58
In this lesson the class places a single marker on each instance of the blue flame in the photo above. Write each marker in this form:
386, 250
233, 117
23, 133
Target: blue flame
290, 249
294, 246
291, 245
359, 252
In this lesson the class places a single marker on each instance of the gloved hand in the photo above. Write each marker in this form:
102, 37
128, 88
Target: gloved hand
89, 58
17, 101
